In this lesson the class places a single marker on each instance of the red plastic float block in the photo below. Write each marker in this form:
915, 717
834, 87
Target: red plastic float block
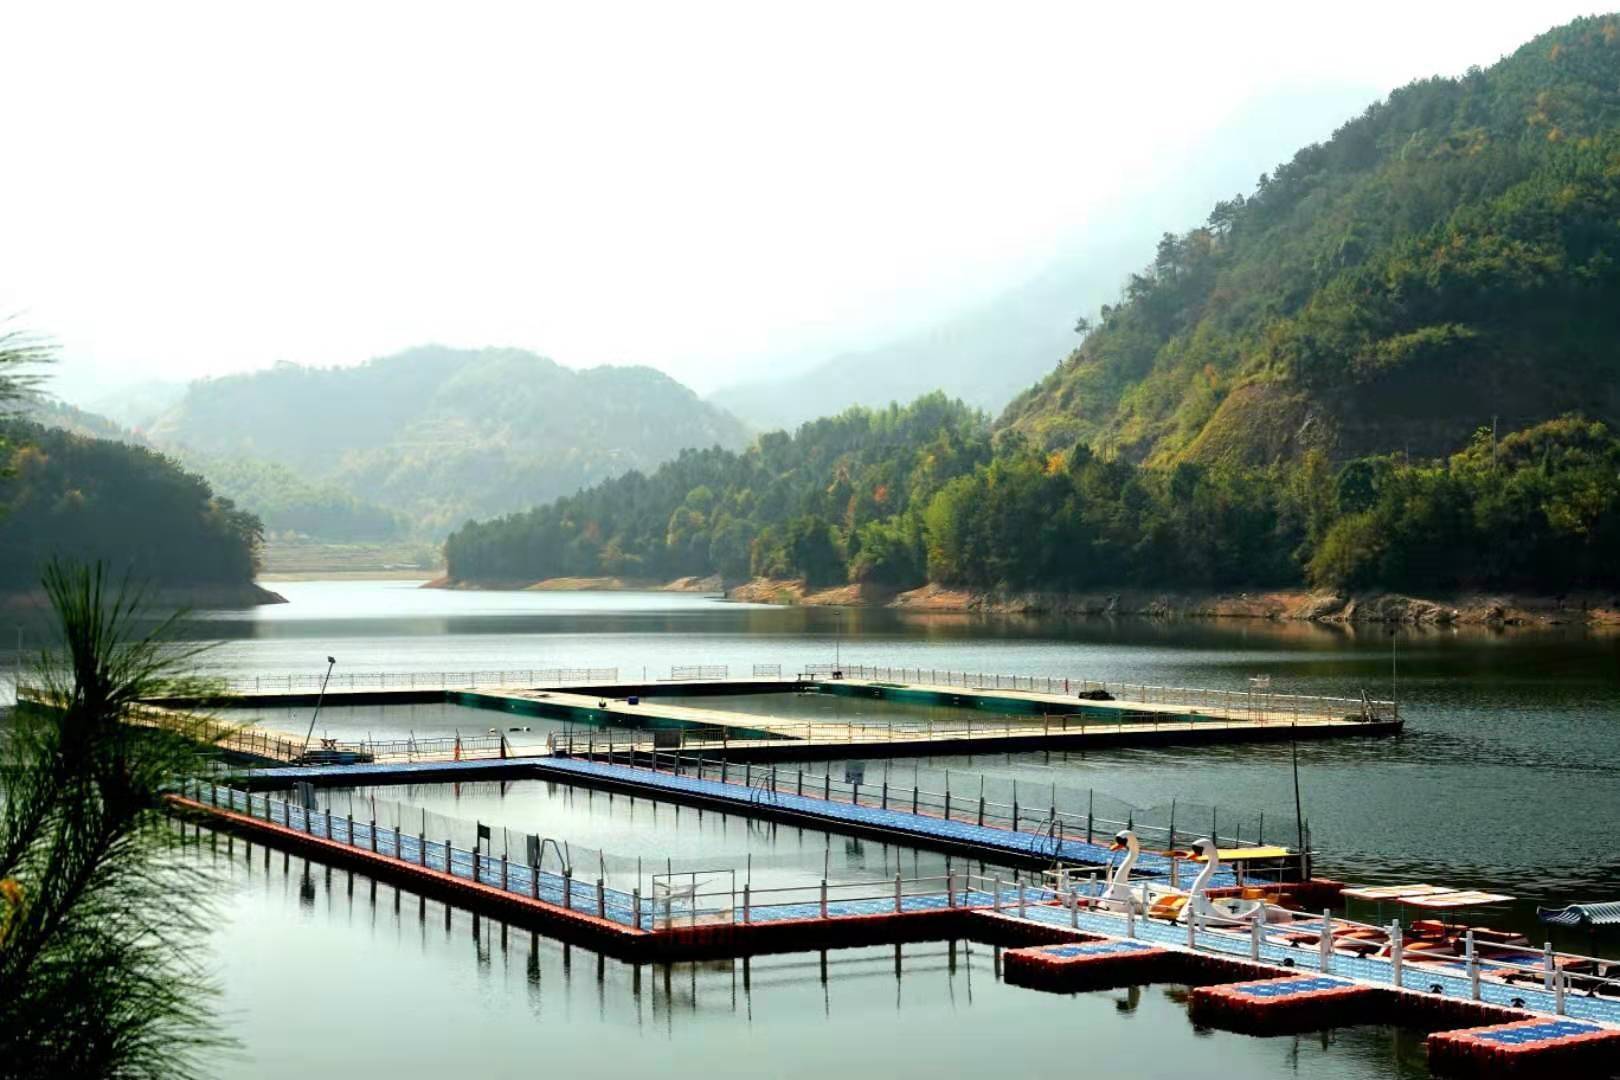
1086, 965
1292, 1004
1553, 1046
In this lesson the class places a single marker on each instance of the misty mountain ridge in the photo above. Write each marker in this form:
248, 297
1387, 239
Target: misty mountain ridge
993, 352
441, 434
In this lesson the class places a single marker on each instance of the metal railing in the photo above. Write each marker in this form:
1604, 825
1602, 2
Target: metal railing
665, 908
1227, 703
1041, 819
515, 678
972, 725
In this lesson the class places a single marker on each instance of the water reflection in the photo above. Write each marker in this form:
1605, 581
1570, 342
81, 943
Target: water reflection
362, 975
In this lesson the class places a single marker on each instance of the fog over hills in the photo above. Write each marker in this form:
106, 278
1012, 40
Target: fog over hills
440, 434
994, 351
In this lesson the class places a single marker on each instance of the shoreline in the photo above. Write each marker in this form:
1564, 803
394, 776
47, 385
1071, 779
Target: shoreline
196, 597
1518, 610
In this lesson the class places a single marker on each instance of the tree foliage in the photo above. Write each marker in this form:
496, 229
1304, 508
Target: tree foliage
918, 494
1446, 257
101, 918
67, 496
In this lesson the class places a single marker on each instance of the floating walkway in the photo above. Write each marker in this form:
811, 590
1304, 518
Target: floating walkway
988, 713
1255, 979
969, 826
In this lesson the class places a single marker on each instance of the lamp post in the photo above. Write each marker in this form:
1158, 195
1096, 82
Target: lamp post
331, 662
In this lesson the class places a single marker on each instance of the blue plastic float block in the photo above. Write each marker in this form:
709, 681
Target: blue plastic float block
1289, 987
1098, 948
1524, 1036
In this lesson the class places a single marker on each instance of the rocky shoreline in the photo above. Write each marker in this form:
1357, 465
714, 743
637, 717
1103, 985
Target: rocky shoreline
1277, 605
1477, 609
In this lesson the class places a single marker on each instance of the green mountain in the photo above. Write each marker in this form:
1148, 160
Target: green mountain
1447, 257
71, 496
440, 434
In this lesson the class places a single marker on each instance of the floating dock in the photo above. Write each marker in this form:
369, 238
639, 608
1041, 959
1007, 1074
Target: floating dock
1255, 981
988, 713
1031, 836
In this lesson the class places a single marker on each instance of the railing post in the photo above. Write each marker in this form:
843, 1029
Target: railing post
1021, 890
503, 873
897, 894
823, 898
1257, 930
421, 845
995, 902
1397, 952
1130, 918
601, 899
914, 798
950, 889
1326, 944
1471, 956
747, 903
449, 861
635, 906
1560, 985
981, 809
826, 791
373, 834
885, 794
568, 888
1548, 966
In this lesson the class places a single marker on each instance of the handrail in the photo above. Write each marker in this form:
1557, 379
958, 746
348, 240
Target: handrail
972, 809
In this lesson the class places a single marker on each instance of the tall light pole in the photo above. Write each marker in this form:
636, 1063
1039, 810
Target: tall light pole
331, 662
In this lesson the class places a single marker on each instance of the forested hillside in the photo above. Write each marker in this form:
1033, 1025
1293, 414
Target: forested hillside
64, 495
827, 502
907, 496
1300, 391
1446, 257
441, 434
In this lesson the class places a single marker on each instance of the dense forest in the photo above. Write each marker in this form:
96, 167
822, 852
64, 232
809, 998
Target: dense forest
1446, 257
908, 495
435, 434
64, 495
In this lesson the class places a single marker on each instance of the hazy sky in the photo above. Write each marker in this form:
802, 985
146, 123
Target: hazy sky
212, 187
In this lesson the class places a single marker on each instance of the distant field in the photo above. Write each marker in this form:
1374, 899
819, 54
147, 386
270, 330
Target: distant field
293, 559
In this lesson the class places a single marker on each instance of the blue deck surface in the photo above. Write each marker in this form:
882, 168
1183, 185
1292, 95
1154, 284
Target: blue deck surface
1525, 1036
1290, 987
1097, 948
900, 822
903, 823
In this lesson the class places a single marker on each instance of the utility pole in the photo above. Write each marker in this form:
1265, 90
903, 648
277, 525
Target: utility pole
331, 662
1394, 698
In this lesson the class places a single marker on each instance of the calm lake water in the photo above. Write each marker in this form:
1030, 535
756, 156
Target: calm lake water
1506, 778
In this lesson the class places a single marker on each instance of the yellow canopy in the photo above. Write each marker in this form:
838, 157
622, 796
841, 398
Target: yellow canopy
1248, 854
